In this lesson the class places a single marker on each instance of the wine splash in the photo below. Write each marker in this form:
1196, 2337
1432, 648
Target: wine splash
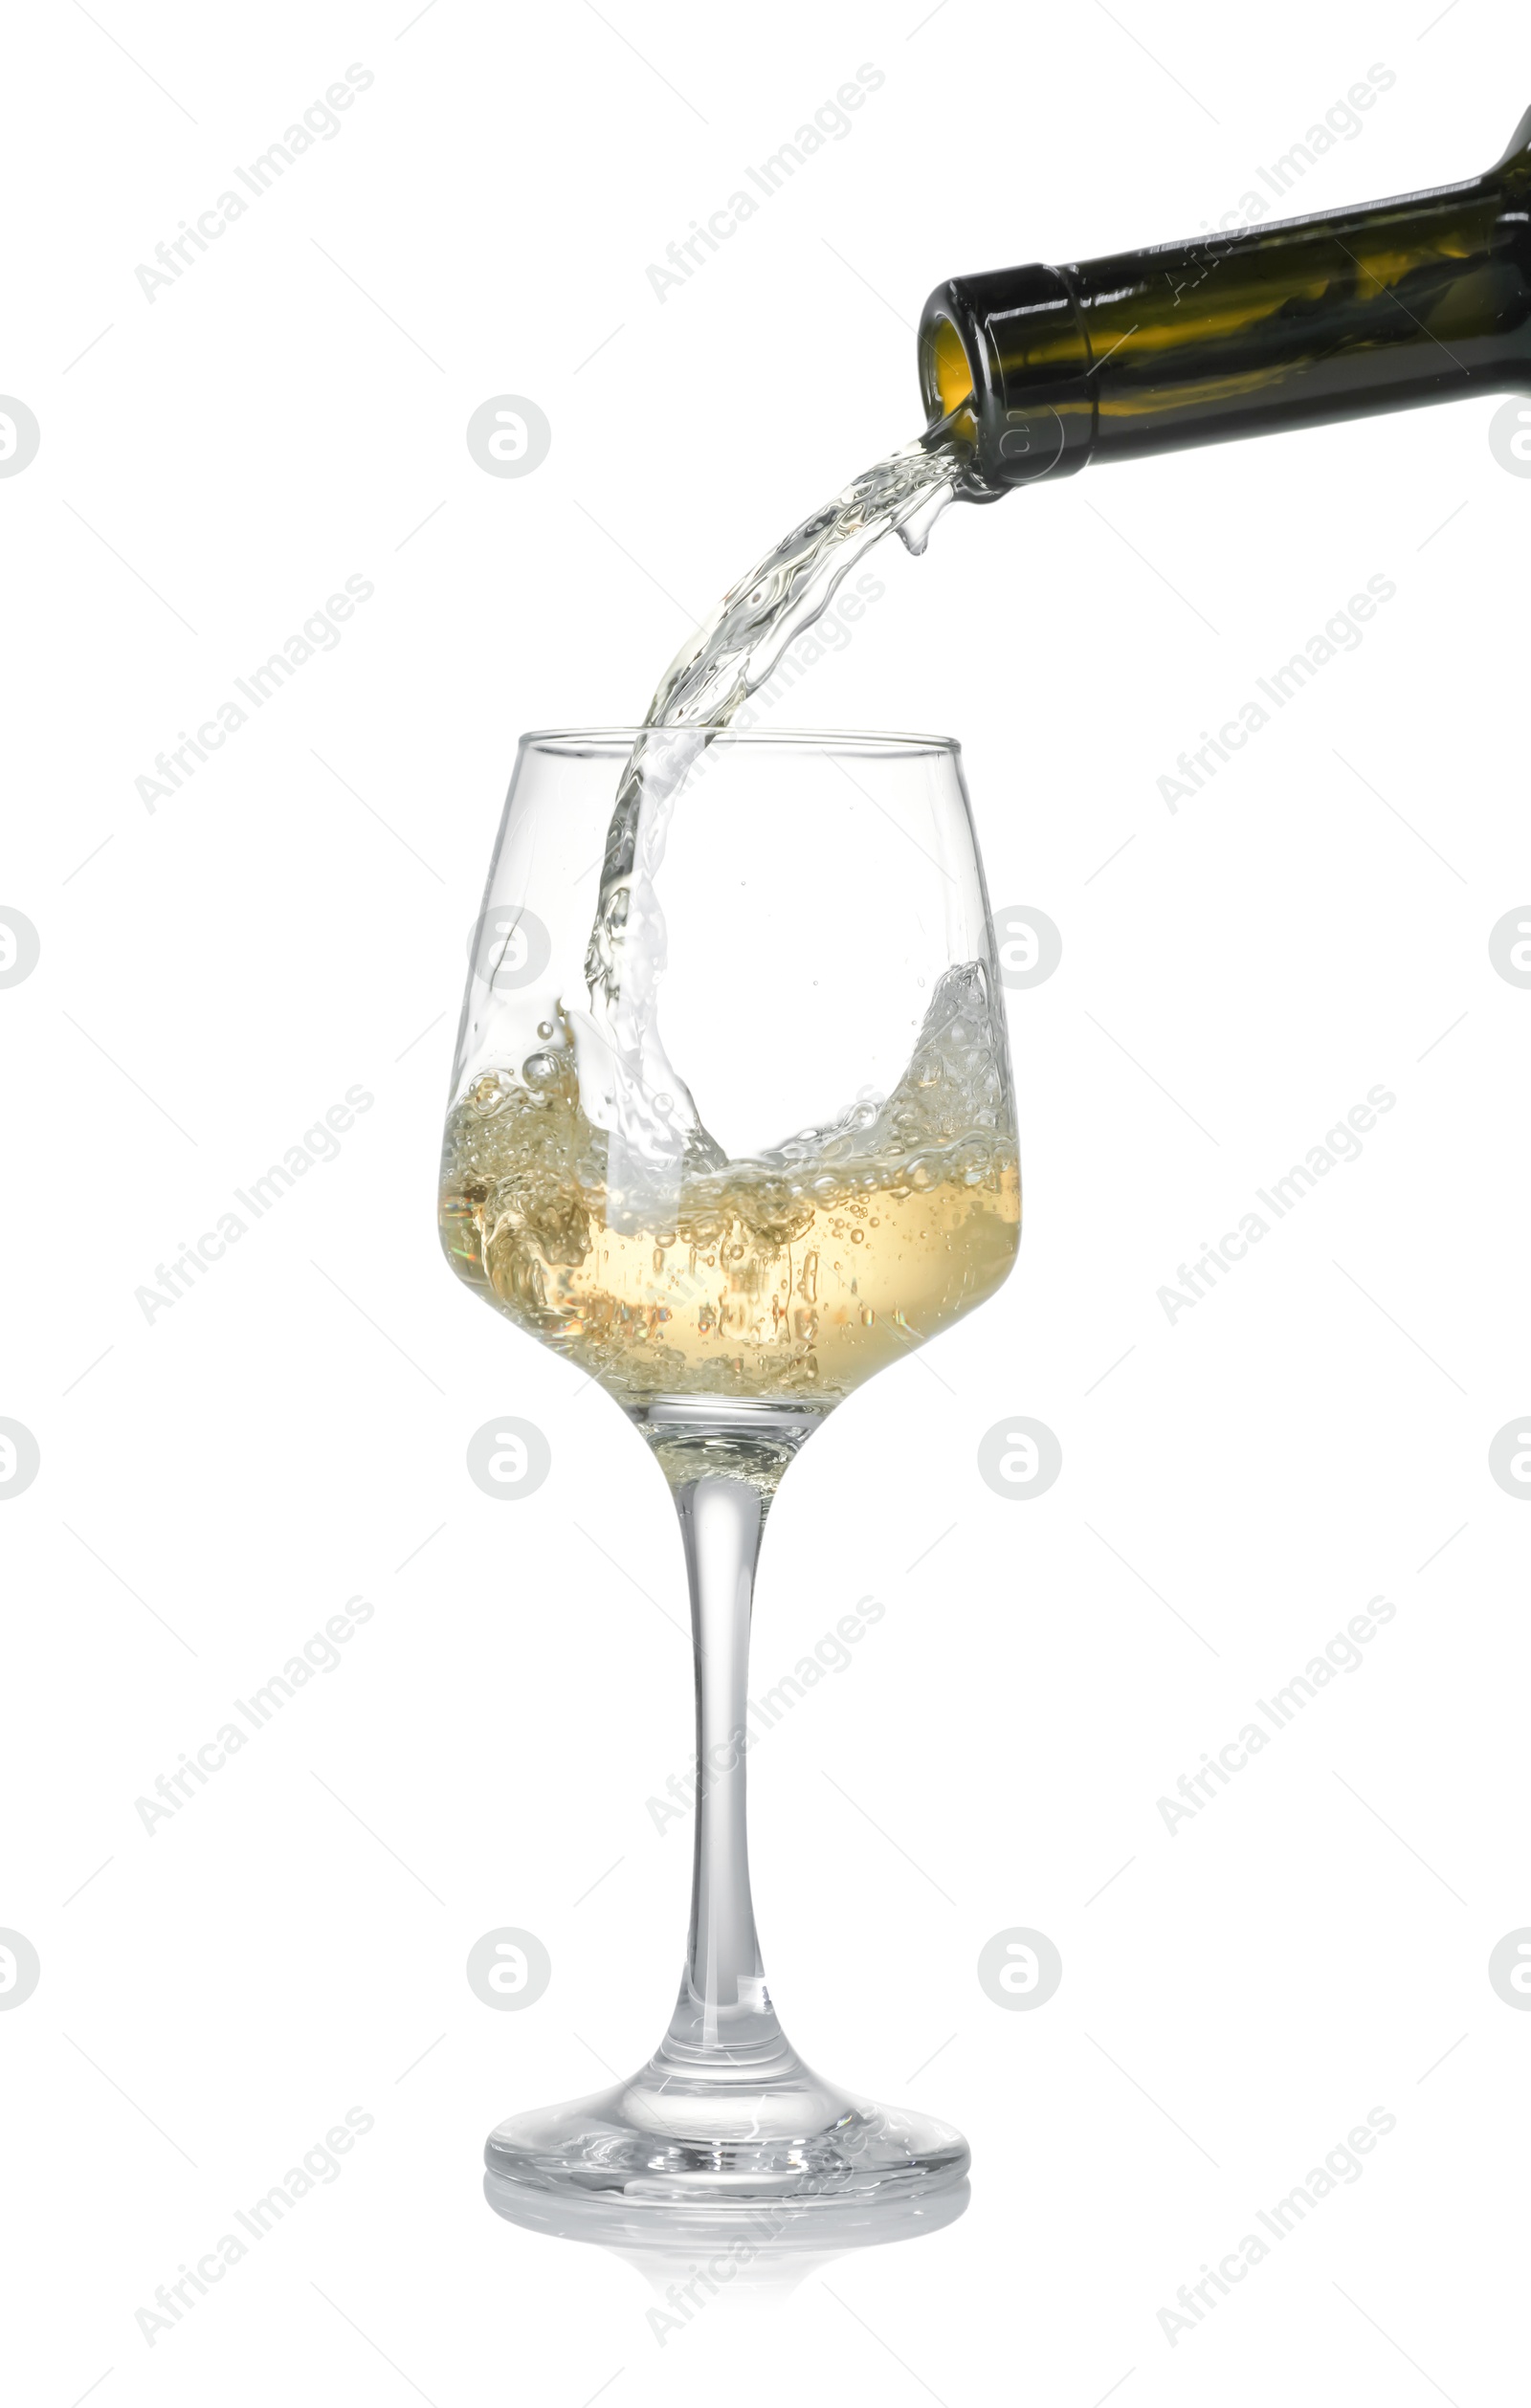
646, 1107
583, 1193
796, 1274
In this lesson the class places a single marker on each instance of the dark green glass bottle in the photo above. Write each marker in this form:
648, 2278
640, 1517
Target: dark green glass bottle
1421, 299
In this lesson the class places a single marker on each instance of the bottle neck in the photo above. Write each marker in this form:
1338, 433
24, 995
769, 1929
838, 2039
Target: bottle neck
1243, 331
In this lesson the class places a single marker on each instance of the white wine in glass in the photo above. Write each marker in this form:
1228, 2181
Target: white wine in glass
731, 1128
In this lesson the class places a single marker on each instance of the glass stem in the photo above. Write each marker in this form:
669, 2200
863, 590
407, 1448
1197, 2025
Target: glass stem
723, 2015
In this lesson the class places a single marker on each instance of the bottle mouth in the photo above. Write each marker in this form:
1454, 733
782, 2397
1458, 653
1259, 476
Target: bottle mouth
953, 381
946, 372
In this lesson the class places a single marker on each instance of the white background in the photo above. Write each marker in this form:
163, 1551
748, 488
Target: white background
1235, 1485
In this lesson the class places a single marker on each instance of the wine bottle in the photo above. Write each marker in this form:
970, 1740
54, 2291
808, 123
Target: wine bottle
1242, 331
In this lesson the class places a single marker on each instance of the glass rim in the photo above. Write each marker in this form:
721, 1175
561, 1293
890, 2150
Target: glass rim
827, 739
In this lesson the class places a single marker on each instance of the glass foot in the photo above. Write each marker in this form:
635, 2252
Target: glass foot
771, 2247
787, 2152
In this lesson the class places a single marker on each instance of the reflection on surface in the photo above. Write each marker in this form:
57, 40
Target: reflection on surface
757, 2253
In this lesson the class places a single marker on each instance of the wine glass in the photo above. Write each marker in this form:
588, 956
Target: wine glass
731, 1128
